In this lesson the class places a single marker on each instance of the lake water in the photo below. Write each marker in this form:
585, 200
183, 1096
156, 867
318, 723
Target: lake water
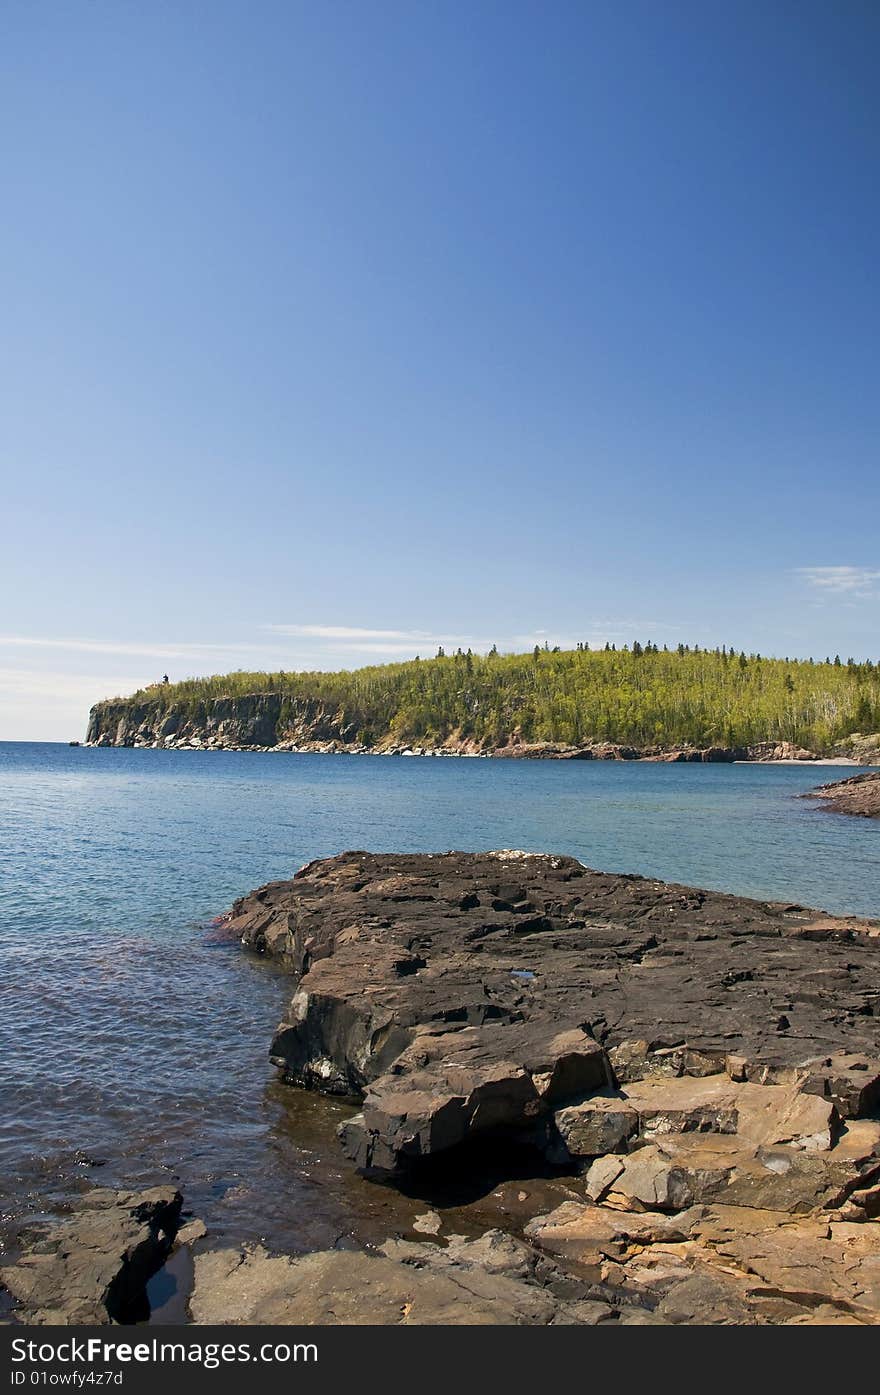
133, 1040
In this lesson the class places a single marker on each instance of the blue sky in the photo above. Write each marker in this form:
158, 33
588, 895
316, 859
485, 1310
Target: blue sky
335, 331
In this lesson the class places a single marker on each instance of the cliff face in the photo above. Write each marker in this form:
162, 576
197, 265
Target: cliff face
257, 721
268, 721
275, 721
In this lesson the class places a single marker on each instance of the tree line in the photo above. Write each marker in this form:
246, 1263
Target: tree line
640, 695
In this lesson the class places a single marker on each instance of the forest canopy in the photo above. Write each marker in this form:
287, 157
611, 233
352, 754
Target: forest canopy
641, 696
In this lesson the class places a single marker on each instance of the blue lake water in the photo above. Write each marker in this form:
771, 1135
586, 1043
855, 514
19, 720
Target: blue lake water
133, 1041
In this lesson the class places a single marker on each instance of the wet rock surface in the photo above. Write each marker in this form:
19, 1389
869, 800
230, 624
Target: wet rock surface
859, 795
93, 1265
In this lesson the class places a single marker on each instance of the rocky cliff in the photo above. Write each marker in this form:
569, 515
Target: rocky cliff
864, 750
256, 721
271, 721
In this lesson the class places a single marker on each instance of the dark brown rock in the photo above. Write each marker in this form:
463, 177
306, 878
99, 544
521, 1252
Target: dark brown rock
93, 1265
475, 994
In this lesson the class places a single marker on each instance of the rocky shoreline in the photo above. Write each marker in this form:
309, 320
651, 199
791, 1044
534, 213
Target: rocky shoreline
697, 1074
267, 722
704, 1070
859, 796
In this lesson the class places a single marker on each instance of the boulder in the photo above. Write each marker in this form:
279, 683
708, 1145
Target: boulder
600, 1176
652, 1179
93, 1265
602, 1124
850, 1082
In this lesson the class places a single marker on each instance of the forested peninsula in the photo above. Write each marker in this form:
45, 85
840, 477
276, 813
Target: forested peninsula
639, 702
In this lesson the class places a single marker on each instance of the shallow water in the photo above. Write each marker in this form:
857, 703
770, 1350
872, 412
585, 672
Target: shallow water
134, 1039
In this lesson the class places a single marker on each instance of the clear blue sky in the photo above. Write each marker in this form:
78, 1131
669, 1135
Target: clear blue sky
333, 331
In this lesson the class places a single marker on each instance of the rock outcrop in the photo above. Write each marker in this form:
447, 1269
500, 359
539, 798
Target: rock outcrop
859, 795
723, 1263
473, 994
93, 1266
257, 721
862, 749
779, 750
705, 1069
270, 722
700, 1073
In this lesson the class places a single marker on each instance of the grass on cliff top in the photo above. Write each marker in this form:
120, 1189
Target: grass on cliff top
639, 696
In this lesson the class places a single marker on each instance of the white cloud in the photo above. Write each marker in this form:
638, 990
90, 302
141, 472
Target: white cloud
169, 650
54, 687
842, 581
346, 632
355, 639
358, 639
50, 683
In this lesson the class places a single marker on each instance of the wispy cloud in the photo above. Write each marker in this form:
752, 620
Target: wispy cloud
842, 581
344, 632
51, 682
170, 649
39, 705
310, 645
357, 639
361, 639
62, 687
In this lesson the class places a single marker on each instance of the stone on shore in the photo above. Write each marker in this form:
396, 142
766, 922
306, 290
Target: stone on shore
722, 1264
494, 1280
93, 1266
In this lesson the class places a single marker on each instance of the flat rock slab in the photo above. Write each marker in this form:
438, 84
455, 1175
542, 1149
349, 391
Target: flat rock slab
464, 994
495, 1280
93, 1265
